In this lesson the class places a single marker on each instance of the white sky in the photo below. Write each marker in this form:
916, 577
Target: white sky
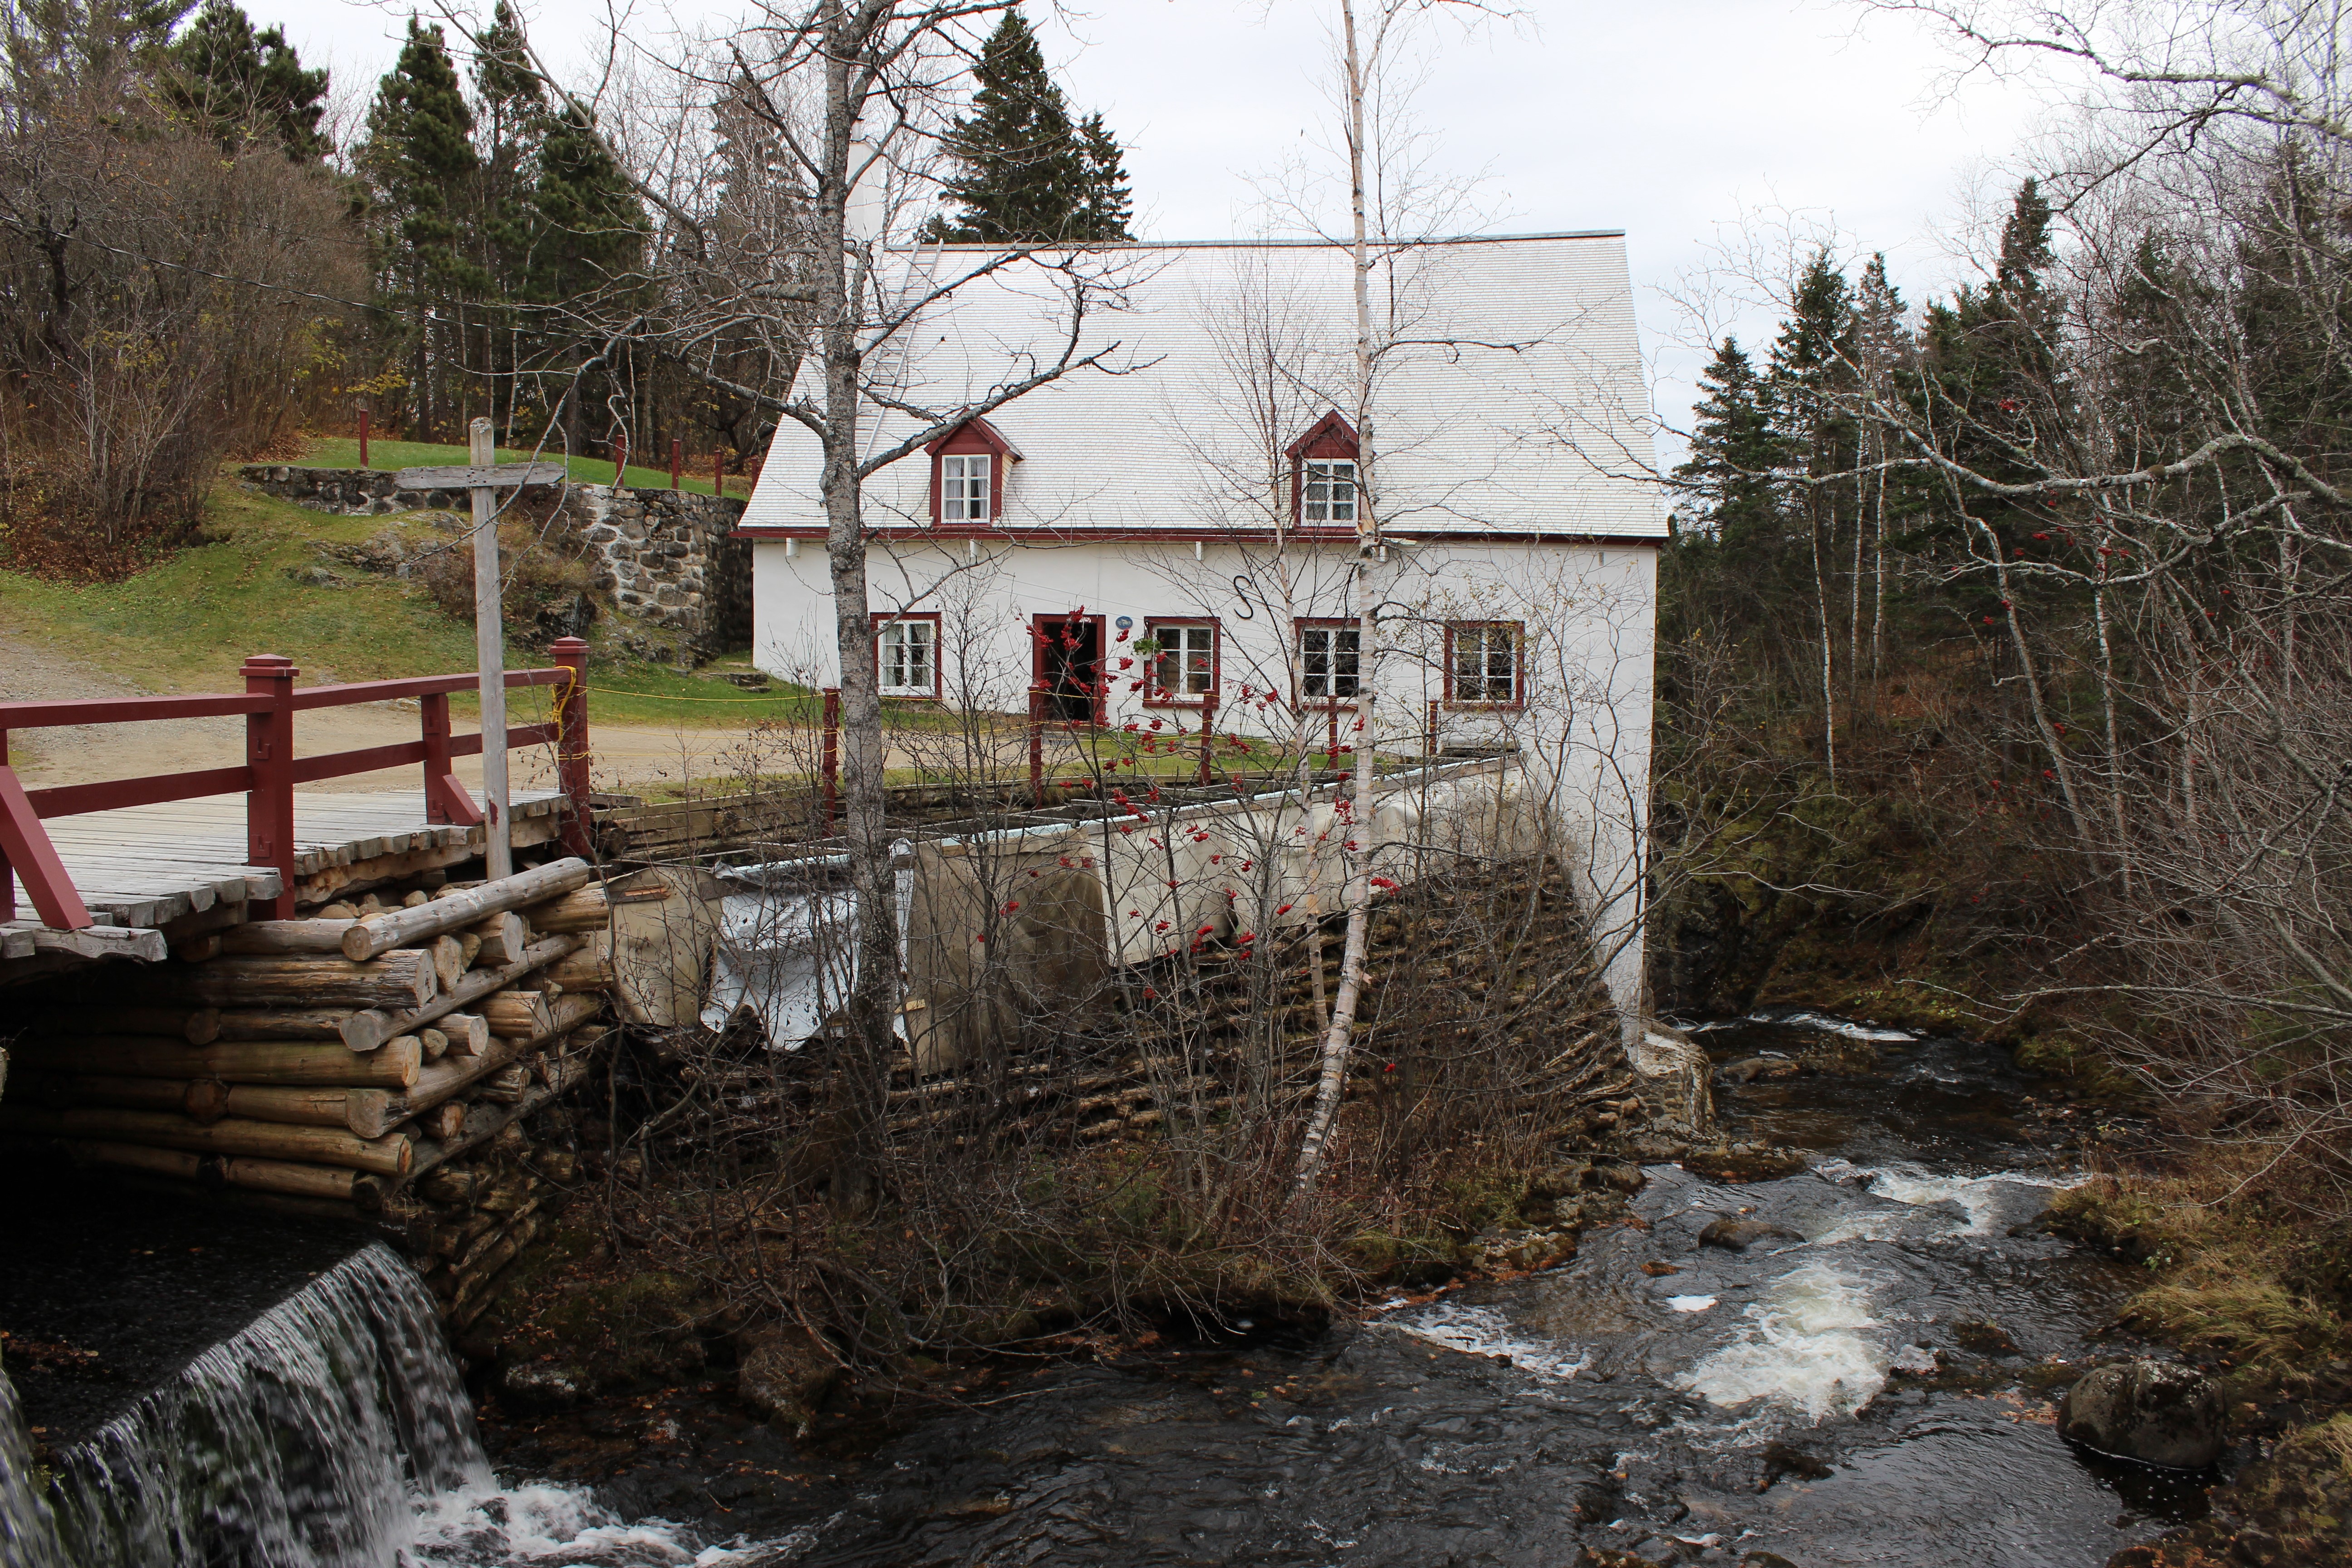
1688, 123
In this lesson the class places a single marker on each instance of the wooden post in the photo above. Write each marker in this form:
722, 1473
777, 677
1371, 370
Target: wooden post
677, 456
490, 654
1208, 741
620, 461
832, 754
572, 753
1036, 749
26, 850
269, 803
363, 438
719, 471
445, 800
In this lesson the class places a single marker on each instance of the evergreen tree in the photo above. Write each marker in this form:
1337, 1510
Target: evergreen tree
53, 50
592, 227
419, 157
1028, 176
240, 86
1730, 471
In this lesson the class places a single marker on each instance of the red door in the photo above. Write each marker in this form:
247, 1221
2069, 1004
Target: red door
1069, 667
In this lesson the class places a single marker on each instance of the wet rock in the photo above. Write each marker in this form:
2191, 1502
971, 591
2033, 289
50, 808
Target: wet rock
539, 1387
1560, 1181
784, 1375
1735, 1233
1783, 1459
1838, 1057
1753, 1069
1744, 1163
1765, 1559
2157, 1412
1626, 1179
1655, 1148
1984, 1338
1519, 1251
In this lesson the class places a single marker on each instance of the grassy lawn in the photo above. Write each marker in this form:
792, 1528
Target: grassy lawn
188, 623
344, 452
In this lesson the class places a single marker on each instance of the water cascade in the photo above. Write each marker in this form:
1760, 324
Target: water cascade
332, 1432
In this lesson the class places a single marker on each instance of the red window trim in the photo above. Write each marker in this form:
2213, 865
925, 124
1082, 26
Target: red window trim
1329, 436
1298, 625
938, 675
1103, 674
1151, 624
974, 435
1519, 668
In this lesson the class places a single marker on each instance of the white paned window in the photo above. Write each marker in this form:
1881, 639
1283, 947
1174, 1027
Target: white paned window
908, 655
1326, 663
1487, 663
1330, 495
964, 488
1186, 665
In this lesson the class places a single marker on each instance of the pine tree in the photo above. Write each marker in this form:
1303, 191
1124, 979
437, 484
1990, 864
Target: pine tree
509, 120
1028, 176
419, 157
240, 86
1730, 474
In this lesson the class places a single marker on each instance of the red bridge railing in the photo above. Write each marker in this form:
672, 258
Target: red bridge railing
271, 770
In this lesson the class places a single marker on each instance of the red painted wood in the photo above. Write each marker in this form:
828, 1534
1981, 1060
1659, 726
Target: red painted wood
572, 755
433, 713
350, 692
77, 800
363, 438
458, 802
832, 755
365, 760
974, 435
677, 456
1036, 749
269, 801
24, 847
122, 709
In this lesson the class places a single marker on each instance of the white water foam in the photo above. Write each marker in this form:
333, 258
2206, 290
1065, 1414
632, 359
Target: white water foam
1804, 1348
1985, 1201
484, 1524
1483, 1330
1690, 1303
1823, 1023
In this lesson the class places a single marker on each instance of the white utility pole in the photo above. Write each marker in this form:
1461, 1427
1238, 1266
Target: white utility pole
491, 657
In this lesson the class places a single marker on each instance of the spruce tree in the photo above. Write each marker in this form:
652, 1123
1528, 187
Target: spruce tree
1027, 173
239, 86
419, 158
1730, 474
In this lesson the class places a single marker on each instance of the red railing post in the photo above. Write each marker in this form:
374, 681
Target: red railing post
26, 850
719, 471
571, 753
621, 462
445, 800
270, 752
363, 435
832, 755
676, 456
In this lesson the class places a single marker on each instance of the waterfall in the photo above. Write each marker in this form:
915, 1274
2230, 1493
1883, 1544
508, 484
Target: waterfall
296, 1443
331, 1432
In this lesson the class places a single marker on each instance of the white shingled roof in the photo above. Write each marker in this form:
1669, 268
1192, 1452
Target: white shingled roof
1510, 398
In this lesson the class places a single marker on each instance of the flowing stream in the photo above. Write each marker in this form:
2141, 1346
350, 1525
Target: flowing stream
1869, 1382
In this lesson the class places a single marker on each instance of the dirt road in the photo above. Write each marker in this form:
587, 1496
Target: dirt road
625, 754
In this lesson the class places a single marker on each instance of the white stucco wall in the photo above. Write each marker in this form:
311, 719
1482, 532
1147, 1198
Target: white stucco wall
1589, 612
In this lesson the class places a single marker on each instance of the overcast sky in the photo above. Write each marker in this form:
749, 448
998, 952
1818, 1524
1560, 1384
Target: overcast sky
1688, 123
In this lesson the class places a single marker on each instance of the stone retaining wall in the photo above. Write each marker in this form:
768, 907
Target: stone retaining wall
665, 556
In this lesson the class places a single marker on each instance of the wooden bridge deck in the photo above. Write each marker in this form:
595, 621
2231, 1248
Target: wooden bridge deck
142, 867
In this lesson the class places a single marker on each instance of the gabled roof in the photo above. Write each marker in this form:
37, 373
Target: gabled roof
1510, 397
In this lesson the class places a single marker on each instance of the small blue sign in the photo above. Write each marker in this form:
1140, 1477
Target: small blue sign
1125, 624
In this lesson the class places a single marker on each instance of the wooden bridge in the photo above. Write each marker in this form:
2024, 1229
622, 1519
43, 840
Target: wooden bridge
128, 866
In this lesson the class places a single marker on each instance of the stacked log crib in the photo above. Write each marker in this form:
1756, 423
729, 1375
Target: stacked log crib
334, 1062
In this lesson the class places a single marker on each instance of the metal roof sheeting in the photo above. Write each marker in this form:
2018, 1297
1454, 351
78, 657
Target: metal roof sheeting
1510, 399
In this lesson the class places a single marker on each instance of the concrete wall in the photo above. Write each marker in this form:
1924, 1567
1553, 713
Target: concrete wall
1590, 613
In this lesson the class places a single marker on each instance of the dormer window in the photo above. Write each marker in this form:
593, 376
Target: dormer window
1324, 489
970, 466
964, 489
1330, 495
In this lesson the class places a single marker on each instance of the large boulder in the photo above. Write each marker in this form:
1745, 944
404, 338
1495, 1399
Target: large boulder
2159, 1413
1735, 1234
785, 1374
